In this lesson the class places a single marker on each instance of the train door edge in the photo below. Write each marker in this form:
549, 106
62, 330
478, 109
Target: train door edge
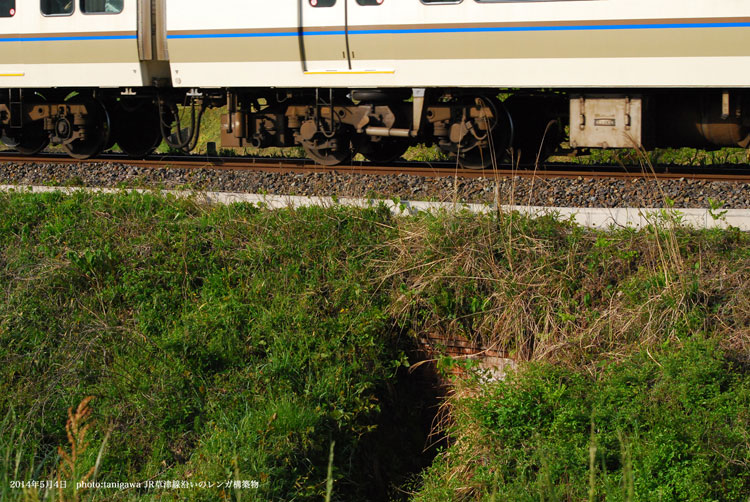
322, 29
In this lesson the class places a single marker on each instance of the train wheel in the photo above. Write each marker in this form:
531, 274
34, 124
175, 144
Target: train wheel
326, 150
477, 158
97, 133
327, 155
537, 123
483, 141
385, 150
31, 140
33, 143
327, 143
136, 129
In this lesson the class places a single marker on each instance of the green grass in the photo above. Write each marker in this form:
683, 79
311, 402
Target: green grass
237, 343
691, 157
209, 339
664, 426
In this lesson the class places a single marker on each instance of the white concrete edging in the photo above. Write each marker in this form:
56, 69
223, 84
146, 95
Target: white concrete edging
601, 218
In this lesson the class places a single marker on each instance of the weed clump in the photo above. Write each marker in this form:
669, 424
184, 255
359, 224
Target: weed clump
544, 289
667, 426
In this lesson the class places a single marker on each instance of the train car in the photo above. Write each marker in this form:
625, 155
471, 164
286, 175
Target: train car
462, 43
63, 66
375, 76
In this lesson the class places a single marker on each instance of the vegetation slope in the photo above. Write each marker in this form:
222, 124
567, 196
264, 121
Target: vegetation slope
224, 344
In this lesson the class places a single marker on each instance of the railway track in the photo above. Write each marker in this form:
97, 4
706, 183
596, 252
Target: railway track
732, 173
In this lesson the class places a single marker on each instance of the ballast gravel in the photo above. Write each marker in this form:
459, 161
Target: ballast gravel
557, 192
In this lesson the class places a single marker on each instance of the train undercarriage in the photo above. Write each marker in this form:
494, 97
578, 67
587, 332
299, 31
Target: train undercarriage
479, 127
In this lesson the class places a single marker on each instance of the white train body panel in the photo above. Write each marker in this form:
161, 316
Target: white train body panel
404, 43
400, 43
78, 50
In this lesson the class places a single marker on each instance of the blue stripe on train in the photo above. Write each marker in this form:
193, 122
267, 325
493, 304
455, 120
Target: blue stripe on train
387, 31
67, 39
355, 31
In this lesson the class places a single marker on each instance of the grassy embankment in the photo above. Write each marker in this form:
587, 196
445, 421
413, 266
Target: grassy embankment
235, 343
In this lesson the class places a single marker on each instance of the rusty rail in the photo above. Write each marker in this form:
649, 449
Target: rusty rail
730, 173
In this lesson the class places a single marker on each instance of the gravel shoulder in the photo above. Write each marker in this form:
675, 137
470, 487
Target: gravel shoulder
558, 192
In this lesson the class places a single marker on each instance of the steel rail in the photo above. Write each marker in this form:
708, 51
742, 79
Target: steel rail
729, 173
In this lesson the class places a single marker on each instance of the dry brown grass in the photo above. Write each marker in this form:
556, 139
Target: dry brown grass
546, 294
70, 468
